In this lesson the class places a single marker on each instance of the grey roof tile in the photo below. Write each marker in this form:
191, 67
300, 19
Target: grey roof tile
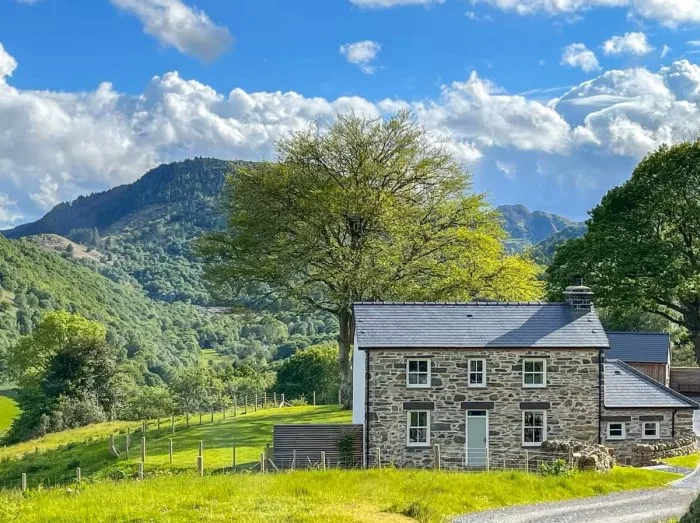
639, 347
479, 324
626, 387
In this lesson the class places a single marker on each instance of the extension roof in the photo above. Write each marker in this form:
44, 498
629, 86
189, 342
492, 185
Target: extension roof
639, 347
626, 387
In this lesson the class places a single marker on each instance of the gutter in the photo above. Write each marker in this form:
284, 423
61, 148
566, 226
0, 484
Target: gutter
367, 353
600, 394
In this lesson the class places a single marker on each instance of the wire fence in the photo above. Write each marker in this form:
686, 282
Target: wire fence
149, 446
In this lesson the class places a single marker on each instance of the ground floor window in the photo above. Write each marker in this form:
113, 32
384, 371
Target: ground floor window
418, 428
650, 430
616, 430
534, 427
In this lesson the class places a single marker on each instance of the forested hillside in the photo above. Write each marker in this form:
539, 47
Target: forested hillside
527, 228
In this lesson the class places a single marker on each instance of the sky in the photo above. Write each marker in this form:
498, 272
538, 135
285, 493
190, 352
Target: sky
547, 103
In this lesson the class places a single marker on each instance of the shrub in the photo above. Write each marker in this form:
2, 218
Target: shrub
300, 402
693, 514
556, 467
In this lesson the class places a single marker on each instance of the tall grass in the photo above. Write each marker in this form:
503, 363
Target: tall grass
313, 496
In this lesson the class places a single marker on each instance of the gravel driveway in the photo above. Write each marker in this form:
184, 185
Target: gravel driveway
637, 506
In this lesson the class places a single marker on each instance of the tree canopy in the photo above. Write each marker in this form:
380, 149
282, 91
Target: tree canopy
370, 209
642, 247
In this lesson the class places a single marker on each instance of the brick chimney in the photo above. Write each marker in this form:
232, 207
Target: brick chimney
579, 297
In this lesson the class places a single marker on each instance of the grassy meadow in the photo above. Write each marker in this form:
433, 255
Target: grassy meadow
8, 409
53, 459
691, 461
389, 495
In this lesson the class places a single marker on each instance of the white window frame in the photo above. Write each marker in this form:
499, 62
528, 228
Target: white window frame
657, 426
408, 374
482, 372
624, 430
544, 428
544, 373
410, 443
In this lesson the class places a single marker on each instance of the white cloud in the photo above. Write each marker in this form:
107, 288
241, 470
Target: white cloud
55, 146
694, 43
177, 25
9, 213
665, 50
7, 64
630, 43
578, 55
362, 54
668, 12
378, 4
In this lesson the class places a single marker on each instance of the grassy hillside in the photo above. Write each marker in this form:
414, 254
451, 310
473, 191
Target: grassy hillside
387, 495
53, 459
8, 409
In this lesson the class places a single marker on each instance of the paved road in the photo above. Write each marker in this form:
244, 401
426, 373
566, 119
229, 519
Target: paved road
639, 506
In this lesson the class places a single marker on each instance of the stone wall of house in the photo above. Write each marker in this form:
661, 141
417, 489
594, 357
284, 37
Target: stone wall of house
647, 454
572, 393
669, 430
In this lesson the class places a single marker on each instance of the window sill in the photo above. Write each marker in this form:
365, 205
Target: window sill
532, 445
418, 386
614, 439
476, 386
419, 446
650, 438
534, 386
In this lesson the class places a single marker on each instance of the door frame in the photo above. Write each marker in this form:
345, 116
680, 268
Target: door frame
466, 436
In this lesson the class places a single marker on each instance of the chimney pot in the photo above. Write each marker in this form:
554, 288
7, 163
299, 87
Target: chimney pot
579, 297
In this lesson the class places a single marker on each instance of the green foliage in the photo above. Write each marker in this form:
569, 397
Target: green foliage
148, 403
308, 370
693, 514
556, 467
8, 409
345, 448
370, 209
642, 247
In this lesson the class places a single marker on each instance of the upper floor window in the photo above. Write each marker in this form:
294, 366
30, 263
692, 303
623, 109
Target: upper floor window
534, 427
534, 373
418, 428
477, 372
616, 430
650, 430
418, 373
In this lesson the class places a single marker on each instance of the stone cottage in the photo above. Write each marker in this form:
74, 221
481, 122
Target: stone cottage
489, 382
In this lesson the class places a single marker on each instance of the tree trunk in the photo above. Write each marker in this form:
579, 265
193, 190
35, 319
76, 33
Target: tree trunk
345, 341
695, 336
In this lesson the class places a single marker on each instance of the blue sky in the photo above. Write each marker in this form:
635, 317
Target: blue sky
549, 103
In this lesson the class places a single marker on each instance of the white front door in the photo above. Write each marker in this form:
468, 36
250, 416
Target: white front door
477, 438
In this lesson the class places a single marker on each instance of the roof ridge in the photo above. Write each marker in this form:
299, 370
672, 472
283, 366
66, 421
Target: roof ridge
652, 381
637, 332
453, 303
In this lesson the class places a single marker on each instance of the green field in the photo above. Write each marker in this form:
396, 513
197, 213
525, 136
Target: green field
53, 459
313, 496
8, 409
691, 461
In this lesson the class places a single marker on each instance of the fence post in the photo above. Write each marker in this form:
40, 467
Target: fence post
527, 462
294, 459
172, 424
436, 456
201, 447
24, 481
323, 460
212, 415
262, 462
170, 450
234, 458
264, 400
314, 396
143, 449
282, 404
140, 470
200, 466
255, 409
274, 396
78, 475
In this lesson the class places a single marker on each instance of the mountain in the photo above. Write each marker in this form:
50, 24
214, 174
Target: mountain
526, 228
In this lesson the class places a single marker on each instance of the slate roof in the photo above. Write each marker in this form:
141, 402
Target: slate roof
639, 347
626, 387
477, 324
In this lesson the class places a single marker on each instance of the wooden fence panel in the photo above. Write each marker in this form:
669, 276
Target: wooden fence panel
306, 442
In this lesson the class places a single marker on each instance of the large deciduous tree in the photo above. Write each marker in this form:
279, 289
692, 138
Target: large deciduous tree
642, 248
370, 209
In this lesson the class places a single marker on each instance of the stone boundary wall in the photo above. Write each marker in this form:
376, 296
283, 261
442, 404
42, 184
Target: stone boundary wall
584, 456
644, 455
